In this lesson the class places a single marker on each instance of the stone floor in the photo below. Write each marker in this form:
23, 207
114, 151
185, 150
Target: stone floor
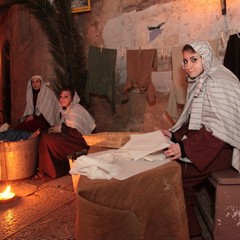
42, 210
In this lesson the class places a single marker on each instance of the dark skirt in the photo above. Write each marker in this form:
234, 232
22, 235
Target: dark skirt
34, 124
54, 149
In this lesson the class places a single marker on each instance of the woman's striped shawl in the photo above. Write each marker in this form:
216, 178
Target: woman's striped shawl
213, 101
47, 102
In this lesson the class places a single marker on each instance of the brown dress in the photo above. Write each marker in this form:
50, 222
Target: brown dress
54, 149
207, 154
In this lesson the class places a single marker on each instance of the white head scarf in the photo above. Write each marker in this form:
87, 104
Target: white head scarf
47, 102
76, 116
213, 101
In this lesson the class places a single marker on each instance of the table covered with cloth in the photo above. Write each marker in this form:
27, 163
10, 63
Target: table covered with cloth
149, 205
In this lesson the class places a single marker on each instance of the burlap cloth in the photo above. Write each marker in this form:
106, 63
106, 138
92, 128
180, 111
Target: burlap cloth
149, 205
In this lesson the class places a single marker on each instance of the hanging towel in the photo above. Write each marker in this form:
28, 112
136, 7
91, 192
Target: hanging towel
140, 64
232, 55
101, 74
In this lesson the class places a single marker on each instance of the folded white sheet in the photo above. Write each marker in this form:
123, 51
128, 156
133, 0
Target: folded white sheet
110, 164
95, 168
155, 157
141, 145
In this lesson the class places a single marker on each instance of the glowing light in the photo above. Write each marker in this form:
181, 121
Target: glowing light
7, 194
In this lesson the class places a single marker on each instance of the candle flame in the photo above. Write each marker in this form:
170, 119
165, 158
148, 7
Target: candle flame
7, 194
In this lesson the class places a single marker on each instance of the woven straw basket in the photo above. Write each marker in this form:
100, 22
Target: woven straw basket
18, 159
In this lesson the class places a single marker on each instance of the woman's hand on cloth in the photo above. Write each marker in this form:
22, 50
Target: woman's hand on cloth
166, 133
55, 129
173, 152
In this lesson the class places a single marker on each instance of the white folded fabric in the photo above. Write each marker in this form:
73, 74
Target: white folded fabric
95, 168
4, 127
112, 163
155, 157
141, 145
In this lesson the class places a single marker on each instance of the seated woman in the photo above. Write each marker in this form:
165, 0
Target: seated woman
65, 138
206, 136
41, 111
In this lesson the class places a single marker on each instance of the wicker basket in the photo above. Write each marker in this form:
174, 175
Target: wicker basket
108, 139
18, 159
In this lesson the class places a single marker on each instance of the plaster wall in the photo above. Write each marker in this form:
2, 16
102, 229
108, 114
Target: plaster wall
123, 25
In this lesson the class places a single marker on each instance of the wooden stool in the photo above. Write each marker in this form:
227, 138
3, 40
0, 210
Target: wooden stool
219, 203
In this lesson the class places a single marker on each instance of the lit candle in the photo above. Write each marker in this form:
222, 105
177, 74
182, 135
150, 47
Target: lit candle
7, 194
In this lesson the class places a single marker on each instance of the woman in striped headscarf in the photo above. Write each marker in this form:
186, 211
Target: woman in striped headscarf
40, 114
42, 106
206, 136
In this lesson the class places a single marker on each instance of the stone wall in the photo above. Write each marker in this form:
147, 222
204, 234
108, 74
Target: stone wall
123, 25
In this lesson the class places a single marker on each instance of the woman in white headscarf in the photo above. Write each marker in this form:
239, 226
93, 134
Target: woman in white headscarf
41, 106
40, 114
206, 136
66, 137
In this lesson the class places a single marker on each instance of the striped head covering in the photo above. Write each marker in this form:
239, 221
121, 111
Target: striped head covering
206, 53
213, 101
76, 116
47, 102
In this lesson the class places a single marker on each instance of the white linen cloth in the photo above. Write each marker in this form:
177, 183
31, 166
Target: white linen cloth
112, 163
100, 168
141, 145
96, 167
